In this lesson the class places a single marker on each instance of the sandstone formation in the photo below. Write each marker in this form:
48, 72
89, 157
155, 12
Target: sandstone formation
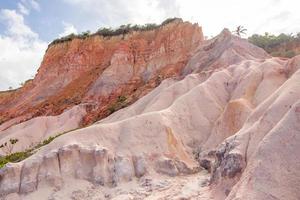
225, 125
97, 70
31, 132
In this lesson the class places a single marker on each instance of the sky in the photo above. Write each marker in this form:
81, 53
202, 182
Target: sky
28, 26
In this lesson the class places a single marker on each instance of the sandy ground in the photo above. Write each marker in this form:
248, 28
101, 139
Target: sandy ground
149, 188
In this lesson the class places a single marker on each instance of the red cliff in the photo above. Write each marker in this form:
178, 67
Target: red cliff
97, 70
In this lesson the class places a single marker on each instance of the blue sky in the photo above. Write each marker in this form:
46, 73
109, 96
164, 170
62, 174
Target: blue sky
27, 26
48, 19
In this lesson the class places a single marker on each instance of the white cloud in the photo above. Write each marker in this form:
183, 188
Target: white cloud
212, 15
68, 29
257, 16
34, 4
25, 6
21, 50
15, 24
22, 9
117, 12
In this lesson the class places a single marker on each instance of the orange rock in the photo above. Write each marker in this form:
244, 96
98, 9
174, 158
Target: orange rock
98, 70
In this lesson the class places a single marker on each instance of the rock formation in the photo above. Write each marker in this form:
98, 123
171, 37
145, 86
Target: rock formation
222, 122
97, 70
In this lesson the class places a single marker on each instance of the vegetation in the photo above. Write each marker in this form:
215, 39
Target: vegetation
121, 99
124, 29
19, 156
7, 147
169, 20
14, 157
109, 32
240, 30
281, 45
120, 103
286, 54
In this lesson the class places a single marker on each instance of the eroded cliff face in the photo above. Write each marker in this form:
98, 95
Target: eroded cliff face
227, 129
98, 70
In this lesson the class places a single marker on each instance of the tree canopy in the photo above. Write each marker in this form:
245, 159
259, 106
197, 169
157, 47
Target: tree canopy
280, 45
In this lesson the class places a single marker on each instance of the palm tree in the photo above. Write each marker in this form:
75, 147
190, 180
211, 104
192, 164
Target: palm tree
240, 30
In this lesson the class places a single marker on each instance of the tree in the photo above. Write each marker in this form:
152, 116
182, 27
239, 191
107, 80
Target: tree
282, 45
7, 147
240, 30
298, 36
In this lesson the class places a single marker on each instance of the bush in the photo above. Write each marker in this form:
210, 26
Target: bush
105, 32
84, 35
19, 156
8, 146
279, 45
269, 41
169, 20
14, 157
120, 103
108, 32
286, 54
289, 54
64, 39
112, 109
121, 99
3, 161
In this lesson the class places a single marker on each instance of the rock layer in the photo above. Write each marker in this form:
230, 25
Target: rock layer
235, 112
97, 70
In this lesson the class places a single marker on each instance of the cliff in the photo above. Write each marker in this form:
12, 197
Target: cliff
97, 70
189, 119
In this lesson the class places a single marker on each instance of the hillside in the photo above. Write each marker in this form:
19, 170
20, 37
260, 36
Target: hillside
84, 71
282, 45
186, 118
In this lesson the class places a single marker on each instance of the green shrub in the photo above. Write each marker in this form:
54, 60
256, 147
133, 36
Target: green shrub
105, 32
108, 32
8, 146
19, 156
169, 20
286, 54
64, 39
279, 45
121, 99
14, 157
3, 161
120, 103
269, 41
289, 54
112, 109
84, 35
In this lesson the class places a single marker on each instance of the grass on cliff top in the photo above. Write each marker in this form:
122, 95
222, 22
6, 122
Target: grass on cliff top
19, 156
108, 32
